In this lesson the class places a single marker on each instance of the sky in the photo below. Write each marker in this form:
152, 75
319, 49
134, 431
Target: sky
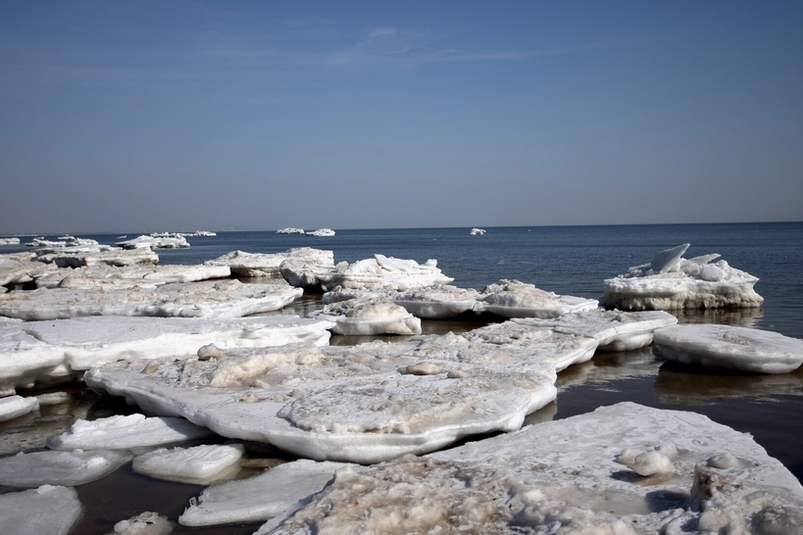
192, 114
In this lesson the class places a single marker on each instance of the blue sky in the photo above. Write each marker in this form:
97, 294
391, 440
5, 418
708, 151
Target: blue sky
184, 115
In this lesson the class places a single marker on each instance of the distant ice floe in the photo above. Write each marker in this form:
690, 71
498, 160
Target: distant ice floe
155, 242
477, 231
673, 282
9, 241
49, 509
730, 347
568, 473
321, 232
290, 230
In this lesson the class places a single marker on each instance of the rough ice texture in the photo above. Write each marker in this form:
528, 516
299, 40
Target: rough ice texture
364, 404
15, 406
562, 477
147, 523
276, 491
155, 242
370, 316
672, 282
126, 432
67, 468
219, 299
438, 301
110, 277
512, 298
77, 257
199, 464
50, 352
20, 268
731, 347
614, 330
243, 264
384, 272
48, 509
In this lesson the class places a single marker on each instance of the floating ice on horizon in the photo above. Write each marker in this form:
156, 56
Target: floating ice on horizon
321, 232
672, 282
66, 468
290, 230
477, 231
49, 509
562, 476
384, 272
730, 347
126, 432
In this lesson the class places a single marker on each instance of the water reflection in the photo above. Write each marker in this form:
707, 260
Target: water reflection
742, 317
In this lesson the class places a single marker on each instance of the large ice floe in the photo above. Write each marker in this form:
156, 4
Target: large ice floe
255, 265
48, 509
673, 282
516, 299
374, 401
220, 299
370, 317
624, 469
439, 301
50, 352
384, 272
730, 347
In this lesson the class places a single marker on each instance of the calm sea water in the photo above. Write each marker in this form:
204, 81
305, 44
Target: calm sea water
574, 261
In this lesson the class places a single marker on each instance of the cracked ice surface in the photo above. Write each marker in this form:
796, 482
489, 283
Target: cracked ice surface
563, 477
672, 282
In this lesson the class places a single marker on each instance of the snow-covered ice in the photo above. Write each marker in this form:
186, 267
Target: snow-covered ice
384, 272
147, 523
97, 256
290, 230
15, 406
673, 282
67, 468
364, 403
49, 509
277, 491
370, 317
221, 299
512, 299
21, 268
321, 232
477, 231
614, 330
155, 242
126, 432
730, 347
439, 301
199, 464
563, 477
255, 265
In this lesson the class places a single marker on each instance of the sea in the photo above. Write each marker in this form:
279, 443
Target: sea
567, 260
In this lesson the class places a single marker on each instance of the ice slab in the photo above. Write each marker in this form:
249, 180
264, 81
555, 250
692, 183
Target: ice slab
155, 242
15, 406
614, 330
200, 464
220, 299
74, 257
26, 361
384, 272
276, 491
20, 268
439, 301
364, 403
512, 299
672, 282
370, 316
254, 265
730, 347
48, 509
563, 477
126, 432
321, 232
66, 468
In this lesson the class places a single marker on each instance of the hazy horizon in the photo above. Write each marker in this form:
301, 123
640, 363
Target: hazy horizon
203, 115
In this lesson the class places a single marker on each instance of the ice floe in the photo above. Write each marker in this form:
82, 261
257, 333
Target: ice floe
370, 317
49, 509
199, 464
563, 477
9, 241
673, 282
20, 268
277, 491
384, 272
439, 301
255, 265
126, 432
66, 468
321, 232
290, 230
477, 231
220, 299
77, 257
147, 523
15, 406
512, 298
730, 347
155, 242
